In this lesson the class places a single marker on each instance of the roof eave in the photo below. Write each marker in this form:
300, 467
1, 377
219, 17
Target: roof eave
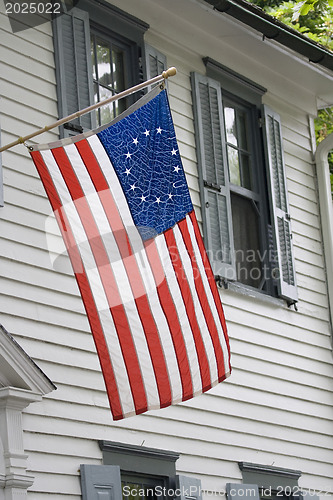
272, 28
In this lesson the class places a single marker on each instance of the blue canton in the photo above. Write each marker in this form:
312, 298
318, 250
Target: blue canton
144, 152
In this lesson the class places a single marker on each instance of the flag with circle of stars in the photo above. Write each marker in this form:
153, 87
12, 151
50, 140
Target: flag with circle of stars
120, 198
145, 155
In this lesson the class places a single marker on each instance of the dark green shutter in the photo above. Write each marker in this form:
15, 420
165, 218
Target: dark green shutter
155, 61
189, 488
285, 276
213, 175
100, 482
73, 68
236, 491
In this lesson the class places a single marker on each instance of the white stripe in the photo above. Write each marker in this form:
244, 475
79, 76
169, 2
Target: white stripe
95, 284
187, 266
209, 294
120, 276
144, 268
181, 311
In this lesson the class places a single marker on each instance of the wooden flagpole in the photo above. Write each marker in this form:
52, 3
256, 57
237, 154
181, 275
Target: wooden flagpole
163, 76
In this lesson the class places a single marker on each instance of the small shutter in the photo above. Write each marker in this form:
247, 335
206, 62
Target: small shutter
100, 482
213, 175
286, 278
73, 69
156, 62
236, 491
189, 488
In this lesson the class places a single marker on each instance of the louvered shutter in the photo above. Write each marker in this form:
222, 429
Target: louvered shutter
236, 491
285, 277
73, 68
189, 488
213, 176
100, 482
156, 62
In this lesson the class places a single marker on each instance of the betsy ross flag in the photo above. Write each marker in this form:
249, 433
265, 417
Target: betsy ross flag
120, 197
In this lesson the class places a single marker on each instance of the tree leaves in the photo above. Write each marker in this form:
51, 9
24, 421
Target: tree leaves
314, 19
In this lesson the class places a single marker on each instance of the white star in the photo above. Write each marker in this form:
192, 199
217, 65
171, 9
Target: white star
143, 198
133, 186
135, 141
146, 133
159, 130
170, 196
176, 169
158, 200
128, 155
174, 151
127, 171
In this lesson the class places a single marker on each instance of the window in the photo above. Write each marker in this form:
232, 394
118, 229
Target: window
108, 62
135, 473
99, 51
266, 482
242, 182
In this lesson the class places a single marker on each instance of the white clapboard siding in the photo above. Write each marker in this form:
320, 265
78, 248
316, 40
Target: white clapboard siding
277, 405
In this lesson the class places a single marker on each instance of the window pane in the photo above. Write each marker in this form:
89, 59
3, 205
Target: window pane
246, 171
242, 130
118, 70
246, 241
103, 63
234, 166
142, 488
93, 60
106, 111
230, 126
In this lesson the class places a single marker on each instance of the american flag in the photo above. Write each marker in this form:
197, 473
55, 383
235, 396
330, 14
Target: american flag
121, 200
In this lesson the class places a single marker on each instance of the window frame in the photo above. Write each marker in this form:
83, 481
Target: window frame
229, 83
125, 48
137, 461
268, 482
103, 17
258, 192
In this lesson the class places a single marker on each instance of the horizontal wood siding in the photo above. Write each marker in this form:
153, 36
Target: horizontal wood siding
276, 408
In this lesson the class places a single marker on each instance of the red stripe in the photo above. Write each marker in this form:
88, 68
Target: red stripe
211, 280
83, 283
203, 299
107, 278
133, 272
171, 316
190, 309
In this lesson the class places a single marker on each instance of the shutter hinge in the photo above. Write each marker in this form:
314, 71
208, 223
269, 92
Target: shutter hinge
260, 122
212, 185
221, 282
73, 127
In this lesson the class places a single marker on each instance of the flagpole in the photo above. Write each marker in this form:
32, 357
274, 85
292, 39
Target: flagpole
163, 76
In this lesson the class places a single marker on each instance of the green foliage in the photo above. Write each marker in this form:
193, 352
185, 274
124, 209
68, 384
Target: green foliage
324, 127
314, 19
